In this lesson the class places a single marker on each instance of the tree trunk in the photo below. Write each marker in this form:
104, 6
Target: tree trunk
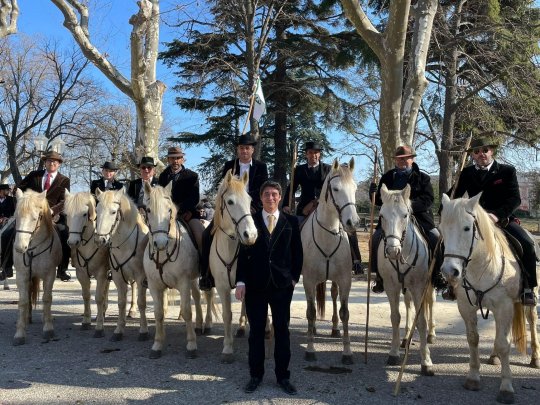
281, 113
9, 13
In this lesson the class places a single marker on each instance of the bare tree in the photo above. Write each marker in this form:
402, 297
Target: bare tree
9, 13
400, 95
143, 88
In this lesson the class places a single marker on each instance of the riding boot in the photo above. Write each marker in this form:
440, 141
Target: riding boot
355, 254
63, 233
437, 279
8, 236
378, 286
206, 281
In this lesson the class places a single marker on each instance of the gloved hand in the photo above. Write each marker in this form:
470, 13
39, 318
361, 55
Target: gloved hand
372, 188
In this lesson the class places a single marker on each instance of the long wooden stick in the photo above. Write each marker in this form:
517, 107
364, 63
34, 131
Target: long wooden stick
291, 186
371, 217
251, 103
430, 271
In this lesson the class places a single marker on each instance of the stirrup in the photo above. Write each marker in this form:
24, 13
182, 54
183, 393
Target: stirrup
528, 298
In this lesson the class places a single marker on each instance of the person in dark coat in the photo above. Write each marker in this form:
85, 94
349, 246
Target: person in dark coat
267, 273
56, 184
147, 170
7, 209
406, 172
500, 198
258, 174
310, 178
107, 180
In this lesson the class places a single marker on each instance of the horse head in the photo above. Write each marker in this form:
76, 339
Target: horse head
340, 189
160, 214
233, 209
109, 214
31, 213
80, 210
395, 215
460, 231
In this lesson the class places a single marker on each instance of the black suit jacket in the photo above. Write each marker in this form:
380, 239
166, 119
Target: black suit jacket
185, 189
274, 260
56, 192
258, 174
310, 182
134, 189
7, 207
500, 189
116, 185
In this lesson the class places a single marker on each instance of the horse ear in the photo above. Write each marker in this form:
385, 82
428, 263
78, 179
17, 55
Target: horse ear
98, 192
384, 192
19, 193
406, 193
147, 187
351, 164
245, 177
466, 195
445, 199
168, 188
335, 165
43, 194
228, 176
474, 201
67, 194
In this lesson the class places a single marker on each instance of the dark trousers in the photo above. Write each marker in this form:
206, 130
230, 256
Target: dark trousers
529, 256
355, 249
257, 303
207, 239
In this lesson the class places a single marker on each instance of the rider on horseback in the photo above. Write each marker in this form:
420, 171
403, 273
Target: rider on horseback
407, 172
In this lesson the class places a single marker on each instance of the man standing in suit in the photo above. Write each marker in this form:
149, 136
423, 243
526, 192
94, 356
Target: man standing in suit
147, 170
107, 180
7, 209
258, 174
56, 184
500, 198
310, 177
266, 275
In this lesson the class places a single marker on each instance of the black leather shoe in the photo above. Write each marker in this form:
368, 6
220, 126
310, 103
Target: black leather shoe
357, 268
252, 385
205, 284
449, 294
528, 298
63, 275
287, 387
378, 287
2, 275
6, 273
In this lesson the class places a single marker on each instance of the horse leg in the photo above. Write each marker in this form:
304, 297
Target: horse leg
409, 315
6, 284
532, 319
84, 280
101, 302
393, 292
121, 288
48, 281
335, 319
185, 301
227, 355
158, 294
426, 364
311, 315
141, 303
503, 324
242, 321
430, 302
346, 357
133, 303
468, 313
196, 294
208, 320
23, 285
268, 327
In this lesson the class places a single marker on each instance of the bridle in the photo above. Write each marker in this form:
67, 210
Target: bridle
331, 193
30, 251
84, 242
114, 225
236, 222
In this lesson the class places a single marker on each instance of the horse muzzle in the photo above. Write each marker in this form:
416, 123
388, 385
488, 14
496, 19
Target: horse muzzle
451, 271
74, 242
102, 240
393, 252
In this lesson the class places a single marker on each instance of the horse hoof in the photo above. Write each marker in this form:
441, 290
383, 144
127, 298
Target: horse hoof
403, 344
535, 363
427, 371
335, 333
431, 339
6, 287
227, 358
347, 359
48, 335
19, 341
505, 397
191, 354
117, 337
393, 361
155, 354
472, 385
143, 337
240, 333
99, 333
310, 356
86, 326
198, 331
494, 360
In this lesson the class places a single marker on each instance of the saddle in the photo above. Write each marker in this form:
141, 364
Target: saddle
190, 233
517, 250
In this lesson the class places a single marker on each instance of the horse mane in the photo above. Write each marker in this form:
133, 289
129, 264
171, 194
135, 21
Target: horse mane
30, 200
157, 194
236, 186
491, 234
395, 197
79, 200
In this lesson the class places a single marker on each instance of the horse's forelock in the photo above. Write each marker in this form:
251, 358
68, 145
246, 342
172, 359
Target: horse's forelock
27, 204
79, 201
157, 194
237, 187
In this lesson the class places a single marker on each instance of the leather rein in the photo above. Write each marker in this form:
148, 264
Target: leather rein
30, 251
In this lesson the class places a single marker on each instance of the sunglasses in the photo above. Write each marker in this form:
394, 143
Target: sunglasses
483, 150
146, 167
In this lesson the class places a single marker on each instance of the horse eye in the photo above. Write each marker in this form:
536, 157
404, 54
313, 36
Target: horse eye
85, 214
335, 189
113, 212
230, 202
148, 210
467, 228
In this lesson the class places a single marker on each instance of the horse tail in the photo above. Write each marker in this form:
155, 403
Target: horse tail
321, 299
34, 291
519, 332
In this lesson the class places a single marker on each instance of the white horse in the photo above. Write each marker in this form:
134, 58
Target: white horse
327, 255
233, 225
171, 260
485, 274
403, 263
36, 255
120, 227
88, 258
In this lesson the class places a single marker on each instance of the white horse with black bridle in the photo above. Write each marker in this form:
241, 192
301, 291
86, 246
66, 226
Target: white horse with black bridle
403, 263
327, 254
121, 229
486, 276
